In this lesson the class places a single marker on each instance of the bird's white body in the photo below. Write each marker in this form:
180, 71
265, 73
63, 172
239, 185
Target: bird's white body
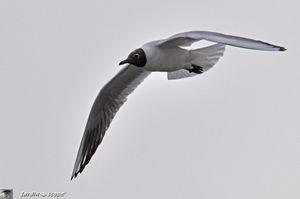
176, 61
166, 59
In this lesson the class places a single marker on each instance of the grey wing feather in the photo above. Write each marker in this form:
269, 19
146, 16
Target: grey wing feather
111, 97
187, 38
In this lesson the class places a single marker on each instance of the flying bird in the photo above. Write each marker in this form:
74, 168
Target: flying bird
166, 55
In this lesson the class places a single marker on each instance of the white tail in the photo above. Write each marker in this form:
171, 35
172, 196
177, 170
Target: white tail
205, 58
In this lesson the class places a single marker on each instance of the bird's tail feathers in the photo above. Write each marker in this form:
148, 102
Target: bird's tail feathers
205, 58
208, 56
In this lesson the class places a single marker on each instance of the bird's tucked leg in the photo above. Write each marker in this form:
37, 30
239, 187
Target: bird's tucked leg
195, 69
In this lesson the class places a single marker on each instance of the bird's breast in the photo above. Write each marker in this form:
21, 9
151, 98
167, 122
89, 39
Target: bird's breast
165, 60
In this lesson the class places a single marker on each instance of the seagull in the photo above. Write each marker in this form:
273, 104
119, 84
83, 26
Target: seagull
167, 55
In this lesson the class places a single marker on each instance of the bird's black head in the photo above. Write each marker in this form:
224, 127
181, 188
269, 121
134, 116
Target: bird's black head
137, 58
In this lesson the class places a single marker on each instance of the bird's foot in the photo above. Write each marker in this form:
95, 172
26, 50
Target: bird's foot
195, 69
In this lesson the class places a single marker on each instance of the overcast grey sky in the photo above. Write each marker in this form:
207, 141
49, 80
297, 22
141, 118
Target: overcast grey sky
230, 133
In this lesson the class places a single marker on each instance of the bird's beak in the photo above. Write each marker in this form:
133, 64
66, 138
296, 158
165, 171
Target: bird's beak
123, 62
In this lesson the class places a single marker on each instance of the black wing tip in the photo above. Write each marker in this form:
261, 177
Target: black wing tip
282, 48
275, 47
78, 171
74, 175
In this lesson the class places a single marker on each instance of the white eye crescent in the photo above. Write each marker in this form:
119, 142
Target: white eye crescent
136, 55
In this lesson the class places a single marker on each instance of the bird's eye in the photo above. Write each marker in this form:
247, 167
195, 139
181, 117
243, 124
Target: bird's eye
136, 55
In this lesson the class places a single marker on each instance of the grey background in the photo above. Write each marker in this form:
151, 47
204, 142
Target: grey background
230, 133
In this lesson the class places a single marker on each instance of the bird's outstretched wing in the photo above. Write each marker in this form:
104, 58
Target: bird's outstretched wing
187, 38
111, 97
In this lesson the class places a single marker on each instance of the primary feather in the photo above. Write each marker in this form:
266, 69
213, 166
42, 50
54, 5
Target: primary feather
187, 38
111, 97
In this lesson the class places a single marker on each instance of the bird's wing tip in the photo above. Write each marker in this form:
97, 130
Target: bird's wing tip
74, 175
282, 49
